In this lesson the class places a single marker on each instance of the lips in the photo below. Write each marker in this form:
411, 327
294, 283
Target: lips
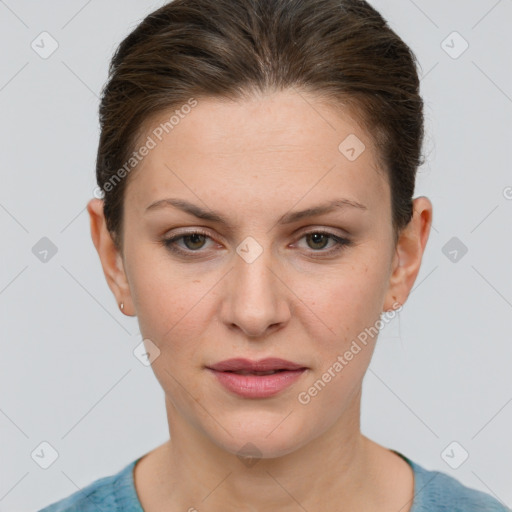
266, 366
256, 379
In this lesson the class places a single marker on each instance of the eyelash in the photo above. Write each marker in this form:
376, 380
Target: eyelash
341, 242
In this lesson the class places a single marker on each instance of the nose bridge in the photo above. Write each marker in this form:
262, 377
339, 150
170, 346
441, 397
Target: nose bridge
253, 267
257, 298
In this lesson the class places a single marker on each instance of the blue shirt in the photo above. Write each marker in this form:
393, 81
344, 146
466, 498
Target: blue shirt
434, 491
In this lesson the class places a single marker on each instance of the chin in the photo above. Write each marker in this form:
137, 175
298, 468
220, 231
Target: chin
259, 447
261, 435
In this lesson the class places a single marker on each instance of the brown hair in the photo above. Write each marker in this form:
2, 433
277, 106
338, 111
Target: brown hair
342, 50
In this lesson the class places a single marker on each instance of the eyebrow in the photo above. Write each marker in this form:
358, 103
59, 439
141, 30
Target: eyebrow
287, 218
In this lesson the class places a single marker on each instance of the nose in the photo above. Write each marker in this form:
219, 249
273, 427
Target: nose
256, 300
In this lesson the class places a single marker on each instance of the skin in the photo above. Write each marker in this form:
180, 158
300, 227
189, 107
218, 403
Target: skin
253, 161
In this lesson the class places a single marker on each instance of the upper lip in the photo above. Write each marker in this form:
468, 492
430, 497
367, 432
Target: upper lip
263, 365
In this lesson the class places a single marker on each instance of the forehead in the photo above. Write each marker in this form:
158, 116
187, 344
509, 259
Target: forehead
279, 143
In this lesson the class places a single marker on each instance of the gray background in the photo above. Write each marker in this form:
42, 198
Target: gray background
68, 376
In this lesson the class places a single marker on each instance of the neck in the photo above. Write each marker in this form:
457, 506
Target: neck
333, 468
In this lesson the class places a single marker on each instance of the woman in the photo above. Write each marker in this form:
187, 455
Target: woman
257, 160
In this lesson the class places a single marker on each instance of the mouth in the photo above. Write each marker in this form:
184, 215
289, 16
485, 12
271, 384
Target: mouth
266, 366
246, 372
257, 379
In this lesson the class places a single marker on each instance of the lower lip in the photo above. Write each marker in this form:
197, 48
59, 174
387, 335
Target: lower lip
257, 386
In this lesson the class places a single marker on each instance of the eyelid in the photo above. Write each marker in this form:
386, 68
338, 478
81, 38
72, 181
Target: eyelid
301, 232
322, 229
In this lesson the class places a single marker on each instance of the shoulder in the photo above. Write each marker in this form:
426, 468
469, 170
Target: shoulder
436, 491
113, 493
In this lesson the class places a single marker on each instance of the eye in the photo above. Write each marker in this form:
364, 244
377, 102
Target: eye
194, 241
319, 239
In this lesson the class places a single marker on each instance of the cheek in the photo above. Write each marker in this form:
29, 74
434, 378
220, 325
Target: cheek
342, 302
350, 307
168, 305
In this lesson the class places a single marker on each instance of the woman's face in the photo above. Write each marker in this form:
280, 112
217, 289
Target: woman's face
262, 284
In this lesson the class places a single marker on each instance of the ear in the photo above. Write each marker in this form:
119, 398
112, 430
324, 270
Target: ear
408, 254
110, 256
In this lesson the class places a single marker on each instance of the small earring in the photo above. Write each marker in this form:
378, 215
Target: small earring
121, 306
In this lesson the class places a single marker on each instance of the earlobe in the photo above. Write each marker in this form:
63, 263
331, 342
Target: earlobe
110, 257
409, 252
